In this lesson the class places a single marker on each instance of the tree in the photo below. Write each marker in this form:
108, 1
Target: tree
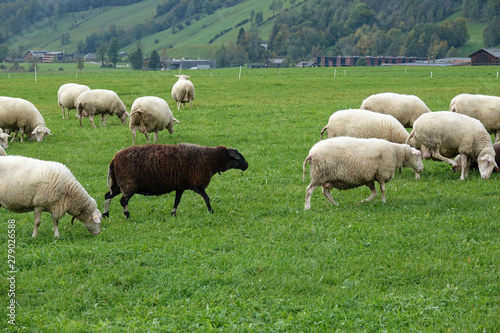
80, 65
241, 37
113, 51
4, 52
491, 34
101, 53
361, 14
154, 60
65, 39
259, 17
136, 57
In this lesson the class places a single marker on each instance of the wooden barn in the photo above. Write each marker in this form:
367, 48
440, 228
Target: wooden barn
485, 56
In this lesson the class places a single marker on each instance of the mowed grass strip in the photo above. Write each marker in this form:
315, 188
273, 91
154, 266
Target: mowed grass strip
427, 260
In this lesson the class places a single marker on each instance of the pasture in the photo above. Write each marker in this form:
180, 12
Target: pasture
427, 260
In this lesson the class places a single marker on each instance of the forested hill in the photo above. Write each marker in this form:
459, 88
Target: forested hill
232, 30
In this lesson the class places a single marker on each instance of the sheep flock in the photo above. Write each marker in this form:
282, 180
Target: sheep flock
364, 145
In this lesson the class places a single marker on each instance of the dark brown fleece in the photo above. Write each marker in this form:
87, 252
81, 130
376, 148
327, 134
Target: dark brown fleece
158, 169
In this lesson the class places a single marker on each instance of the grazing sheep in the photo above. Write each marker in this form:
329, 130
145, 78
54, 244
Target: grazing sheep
405, 108
100, 101
473, 163
21, 116
159, 169
366, 124
150, 114
67, 95
29, 184
443, 135
484, 108
4, 139
183, 91
346, 162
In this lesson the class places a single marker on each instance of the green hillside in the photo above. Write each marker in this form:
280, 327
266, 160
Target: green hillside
192, 41
475, 32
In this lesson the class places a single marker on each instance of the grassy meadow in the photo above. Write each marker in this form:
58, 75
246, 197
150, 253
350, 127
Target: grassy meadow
426, 261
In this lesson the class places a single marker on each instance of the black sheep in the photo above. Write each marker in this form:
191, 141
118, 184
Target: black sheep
159, 169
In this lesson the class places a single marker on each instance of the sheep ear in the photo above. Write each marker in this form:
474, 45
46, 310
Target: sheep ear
415, 151
96, 218
177, 76
234, 153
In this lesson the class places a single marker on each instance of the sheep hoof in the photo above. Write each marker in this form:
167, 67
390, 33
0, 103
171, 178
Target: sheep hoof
105, 214
127, 215
173, 213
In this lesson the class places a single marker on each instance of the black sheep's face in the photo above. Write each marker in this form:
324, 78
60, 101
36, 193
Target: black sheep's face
236, 160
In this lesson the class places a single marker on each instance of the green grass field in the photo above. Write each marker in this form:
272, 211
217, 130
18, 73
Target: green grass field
426, 261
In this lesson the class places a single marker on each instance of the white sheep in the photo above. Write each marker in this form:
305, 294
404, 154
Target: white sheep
346, 162
151, 114
100, 101
183, 91
484, 108
21, 116
367, 124
67, 95
29, 184
405, 108
443, 135
4, 139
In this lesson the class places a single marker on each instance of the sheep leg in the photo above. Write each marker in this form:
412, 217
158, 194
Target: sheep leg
15, 135
178, 195
105, 117
205, 197
465, 166
382, 190
38, 220
56, 227
371, 186
436, 154
497, 135
114, 191
133, 135
326, 192
178, 105
91, 118
147, 136
124, 202
64, 113
21, 134
309, 191
156, 137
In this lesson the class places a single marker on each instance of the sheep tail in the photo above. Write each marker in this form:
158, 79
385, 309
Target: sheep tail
111, 175
323, 130
410, 136
138, 111
308, 158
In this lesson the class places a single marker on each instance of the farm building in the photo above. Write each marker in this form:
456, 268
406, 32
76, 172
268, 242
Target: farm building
89, 57
485, 56
306, 64
341, 61
34, 55
43, 56
53, 57
276, 63
183, 63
